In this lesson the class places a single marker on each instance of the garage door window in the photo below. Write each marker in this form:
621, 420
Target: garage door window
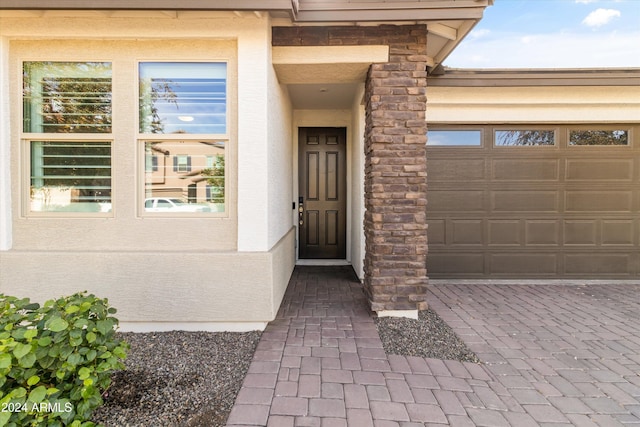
595, 137
524, 138
455, 138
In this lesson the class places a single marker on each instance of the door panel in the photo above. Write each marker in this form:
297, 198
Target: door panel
323, 188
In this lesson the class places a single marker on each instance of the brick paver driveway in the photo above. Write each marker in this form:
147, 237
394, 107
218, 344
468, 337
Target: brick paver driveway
552, 355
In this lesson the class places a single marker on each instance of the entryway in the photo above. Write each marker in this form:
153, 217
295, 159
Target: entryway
322, 200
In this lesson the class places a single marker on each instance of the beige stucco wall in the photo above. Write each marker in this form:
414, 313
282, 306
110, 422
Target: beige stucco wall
5, 150
356, 151
534, 104
161, 290
161, 273
279, 153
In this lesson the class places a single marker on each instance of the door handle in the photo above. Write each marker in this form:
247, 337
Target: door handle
301, 210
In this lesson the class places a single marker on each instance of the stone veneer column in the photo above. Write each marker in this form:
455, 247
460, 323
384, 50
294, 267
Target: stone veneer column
395, 177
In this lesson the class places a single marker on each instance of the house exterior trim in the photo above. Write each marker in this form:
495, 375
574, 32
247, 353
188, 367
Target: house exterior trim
536, 77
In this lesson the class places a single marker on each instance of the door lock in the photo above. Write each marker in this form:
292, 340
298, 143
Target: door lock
301, 211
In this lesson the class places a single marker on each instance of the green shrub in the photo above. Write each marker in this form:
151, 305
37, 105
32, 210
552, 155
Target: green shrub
56, 359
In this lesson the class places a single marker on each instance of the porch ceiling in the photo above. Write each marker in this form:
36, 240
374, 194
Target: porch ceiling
324, 77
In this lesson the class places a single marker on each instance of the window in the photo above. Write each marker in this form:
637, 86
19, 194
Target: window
67, 126
470, 138
182, 163
186, 103
201, 187
598, 137
183, 97
524, 137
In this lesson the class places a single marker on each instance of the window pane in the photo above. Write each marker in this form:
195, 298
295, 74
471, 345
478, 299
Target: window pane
454, 138
188, 97
524, 137
598, 137
67, 97
70, 176
189, 177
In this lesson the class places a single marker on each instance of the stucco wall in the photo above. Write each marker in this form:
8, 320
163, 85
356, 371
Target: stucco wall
161, 273
357, 184
5, 151
279, 154
535, 104
155, 291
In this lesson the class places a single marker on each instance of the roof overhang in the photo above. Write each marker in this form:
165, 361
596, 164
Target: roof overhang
523, 77
448, 21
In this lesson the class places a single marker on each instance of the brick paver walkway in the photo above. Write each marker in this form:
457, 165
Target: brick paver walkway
553, 355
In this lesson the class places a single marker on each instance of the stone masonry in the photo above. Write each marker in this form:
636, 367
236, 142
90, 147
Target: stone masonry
395, 169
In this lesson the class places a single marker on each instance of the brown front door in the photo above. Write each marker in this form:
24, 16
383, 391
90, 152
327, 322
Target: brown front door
323, 191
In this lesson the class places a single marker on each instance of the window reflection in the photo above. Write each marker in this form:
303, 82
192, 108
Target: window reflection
471, 138
183, 97
186, 176
524, 137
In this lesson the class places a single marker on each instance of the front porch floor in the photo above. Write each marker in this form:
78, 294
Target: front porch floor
551, 355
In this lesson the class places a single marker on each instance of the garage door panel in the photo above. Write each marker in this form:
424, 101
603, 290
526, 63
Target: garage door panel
458, 263
525, 170
505, 232
542, 232
524, 201
618, 232
454, 170
580, 232
436, 232
599, 170
466, 232
530, 264
591, 264
598, 201
456, 201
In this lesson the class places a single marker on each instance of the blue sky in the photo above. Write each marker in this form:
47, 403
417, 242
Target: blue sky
553, 34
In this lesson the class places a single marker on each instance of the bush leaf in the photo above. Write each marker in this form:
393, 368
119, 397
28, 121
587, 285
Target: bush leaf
38, 394
56, 324
5, 360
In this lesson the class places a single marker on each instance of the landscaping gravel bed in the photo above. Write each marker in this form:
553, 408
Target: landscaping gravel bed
429, 336
178, 379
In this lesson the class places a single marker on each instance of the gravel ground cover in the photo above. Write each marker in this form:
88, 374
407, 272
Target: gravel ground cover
429, 336
178, 379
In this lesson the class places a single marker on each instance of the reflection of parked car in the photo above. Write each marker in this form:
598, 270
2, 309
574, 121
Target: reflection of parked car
161, 204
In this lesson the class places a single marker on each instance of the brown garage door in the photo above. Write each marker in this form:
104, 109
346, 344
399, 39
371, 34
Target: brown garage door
554, 201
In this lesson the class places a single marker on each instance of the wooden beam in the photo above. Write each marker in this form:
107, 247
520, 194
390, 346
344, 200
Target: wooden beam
443, 31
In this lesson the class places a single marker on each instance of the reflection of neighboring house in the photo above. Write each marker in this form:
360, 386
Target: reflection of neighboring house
170, 173
301, 129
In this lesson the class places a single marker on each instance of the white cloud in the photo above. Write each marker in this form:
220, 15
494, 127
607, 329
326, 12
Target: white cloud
476, 34
600, 17
586, 1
